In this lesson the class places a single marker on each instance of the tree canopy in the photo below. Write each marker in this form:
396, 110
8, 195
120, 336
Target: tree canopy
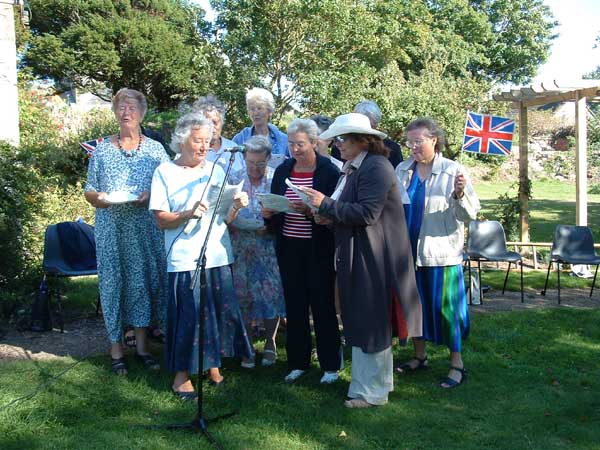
155, 46
414, 57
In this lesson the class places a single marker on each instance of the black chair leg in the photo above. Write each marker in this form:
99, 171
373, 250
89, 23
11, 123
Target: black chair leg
98, 306
522, 299
547, 276
61, 320
506, 278
594, 281
470, 283
558, 271
479, 273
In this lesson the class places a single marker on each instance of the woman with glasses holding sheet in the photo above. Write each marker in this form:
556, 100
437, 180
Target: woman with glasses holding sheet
438, 200
255, 272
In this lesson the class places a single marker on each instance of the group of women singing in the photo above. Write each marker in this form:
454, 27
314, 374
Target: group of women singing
390, 240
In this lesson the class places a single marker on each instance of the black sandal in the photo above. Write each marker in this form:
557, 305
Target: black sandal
185, 396
407, 367
451, 383
118, 366
149, 362
156, 334
129, 339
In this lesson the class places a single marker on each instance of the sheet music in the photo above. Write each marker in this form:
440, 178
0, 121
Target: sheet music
275, 202
305, 199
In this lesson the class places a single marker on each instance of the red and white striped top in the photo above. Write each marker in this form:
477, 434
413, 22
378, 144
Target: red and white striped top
297, 225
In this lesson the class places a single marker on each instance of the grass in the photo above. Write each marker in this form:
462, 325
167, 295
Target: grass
534, 383
553, 203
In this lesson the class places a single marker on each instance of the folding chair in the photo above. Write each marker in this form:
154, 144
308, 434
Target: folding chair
572, 245
69, 251
487, 242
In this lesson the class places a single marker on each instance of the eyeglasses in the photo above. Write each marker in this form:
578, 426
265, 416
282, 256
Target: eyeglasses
258, 165
299, 145
131, 108
341, 139
416, 142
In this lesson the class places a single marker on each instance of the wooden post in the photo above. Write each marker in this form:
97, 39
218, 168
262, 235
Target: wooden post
9, 113
581, 159
523, 173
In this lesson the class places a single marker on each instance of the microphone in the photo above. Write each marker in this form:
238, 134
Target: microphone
238, 149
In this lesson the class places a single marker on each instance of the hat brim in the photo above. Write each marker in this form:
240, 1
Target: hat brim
334, 131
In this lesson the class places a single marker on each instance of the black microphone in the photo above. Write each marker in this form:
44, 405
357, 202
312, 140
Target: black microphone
238, 149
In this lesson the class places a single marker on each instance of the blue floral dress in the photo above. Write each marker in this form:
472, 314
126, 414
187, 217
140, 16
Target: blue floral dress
132, 271
255, 271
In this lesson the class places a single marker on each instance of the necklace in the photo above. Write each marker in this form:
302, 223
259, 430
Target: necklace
129, 153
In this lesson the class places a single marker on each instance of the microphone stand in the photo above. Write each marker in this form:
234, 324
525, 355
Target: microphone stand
200, 424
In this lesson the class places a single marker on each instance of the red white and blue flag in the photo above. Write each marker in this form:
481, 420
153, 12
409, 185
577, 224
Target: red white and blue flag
488, 134
90, 146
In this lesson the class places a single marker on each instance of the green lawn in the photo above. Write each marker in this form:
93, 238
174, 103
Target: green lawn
534, 383
553, 203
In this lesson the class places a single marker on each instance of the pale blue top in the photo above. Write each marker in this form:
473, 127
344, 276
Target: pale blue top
279, 140
176, 188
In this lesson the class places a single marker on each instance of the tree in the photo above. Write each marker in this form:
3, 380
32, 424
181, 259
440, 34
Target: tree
159, 47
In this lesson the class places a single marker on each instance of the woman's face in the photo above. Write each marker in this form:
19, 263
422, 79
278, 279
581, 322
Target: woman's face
421, 144
349, 148
195, 148
301, 148
256, 164
128, 114
259, 114
215, 118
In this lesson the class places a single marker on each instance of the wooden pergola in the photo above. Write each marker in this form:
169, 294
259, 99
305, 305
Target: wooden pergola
540, 94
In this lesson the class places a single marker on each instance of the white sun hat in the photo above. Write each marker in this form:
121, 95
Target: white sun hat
351, 123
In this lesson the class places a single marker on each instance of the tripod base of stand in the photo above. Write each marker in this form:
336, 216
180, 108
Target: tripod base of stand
198, 425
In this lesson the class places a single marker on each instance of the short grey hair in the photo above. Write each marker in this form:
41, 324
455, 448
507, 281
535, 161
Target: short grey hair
258, 144
304, 126
209, 103
433, 129
260, 96
184, 127
130, 94
370, 109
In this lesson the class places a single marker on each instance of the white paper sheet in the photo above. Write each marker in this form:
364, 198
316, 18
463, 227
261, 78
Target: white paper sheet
275, 202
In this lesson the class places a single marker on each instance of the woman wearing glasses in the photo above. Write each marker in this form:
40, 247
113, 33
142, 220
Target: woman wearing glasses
255, 272
438, 200
305, 256
372, 252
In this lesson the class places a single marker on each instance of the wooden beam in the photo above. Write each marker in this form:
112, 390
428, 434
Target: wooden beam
581, 159
523, 173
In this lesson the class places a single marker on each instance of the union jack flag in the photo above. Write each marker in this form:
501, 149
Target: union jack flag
489, 134
90, 146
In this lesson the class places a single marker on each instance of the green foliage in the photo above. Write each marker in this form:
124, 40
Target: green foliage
507, 211
156, 46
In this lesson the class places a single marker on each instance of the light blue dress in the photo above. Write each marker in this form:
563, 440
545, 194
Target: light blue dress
132, 271
255, 271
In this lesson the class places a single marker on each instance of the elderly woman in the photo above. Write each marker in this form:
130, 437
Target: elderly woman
214, 110
131, 262
439, 200
305, 256
374, 265
260, 104
256, 276
178, 195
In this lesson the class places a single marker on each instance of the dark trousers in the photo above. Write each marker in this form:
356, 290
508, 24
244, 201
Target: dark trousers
308, 282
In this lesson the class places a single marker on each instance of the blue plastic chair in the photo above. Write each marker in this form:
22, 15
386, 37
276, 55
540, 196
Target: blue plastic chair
57, 264
487, 242
572, 245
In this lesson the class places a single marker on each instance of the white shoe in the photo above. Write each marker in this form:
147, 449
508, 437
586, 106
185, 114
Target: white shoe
269, 361
248, 364
294, 375
330, 377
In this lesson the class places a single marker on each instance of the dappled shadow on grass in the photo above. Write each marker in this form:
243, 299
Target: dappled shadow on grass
533, 382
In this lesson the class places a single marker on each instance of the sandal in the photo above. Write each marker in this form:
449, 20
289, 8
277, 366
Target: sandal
452, 383
149, 362
270, 360
185, 396
156, 334
129, 339
118, 366
407, 367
